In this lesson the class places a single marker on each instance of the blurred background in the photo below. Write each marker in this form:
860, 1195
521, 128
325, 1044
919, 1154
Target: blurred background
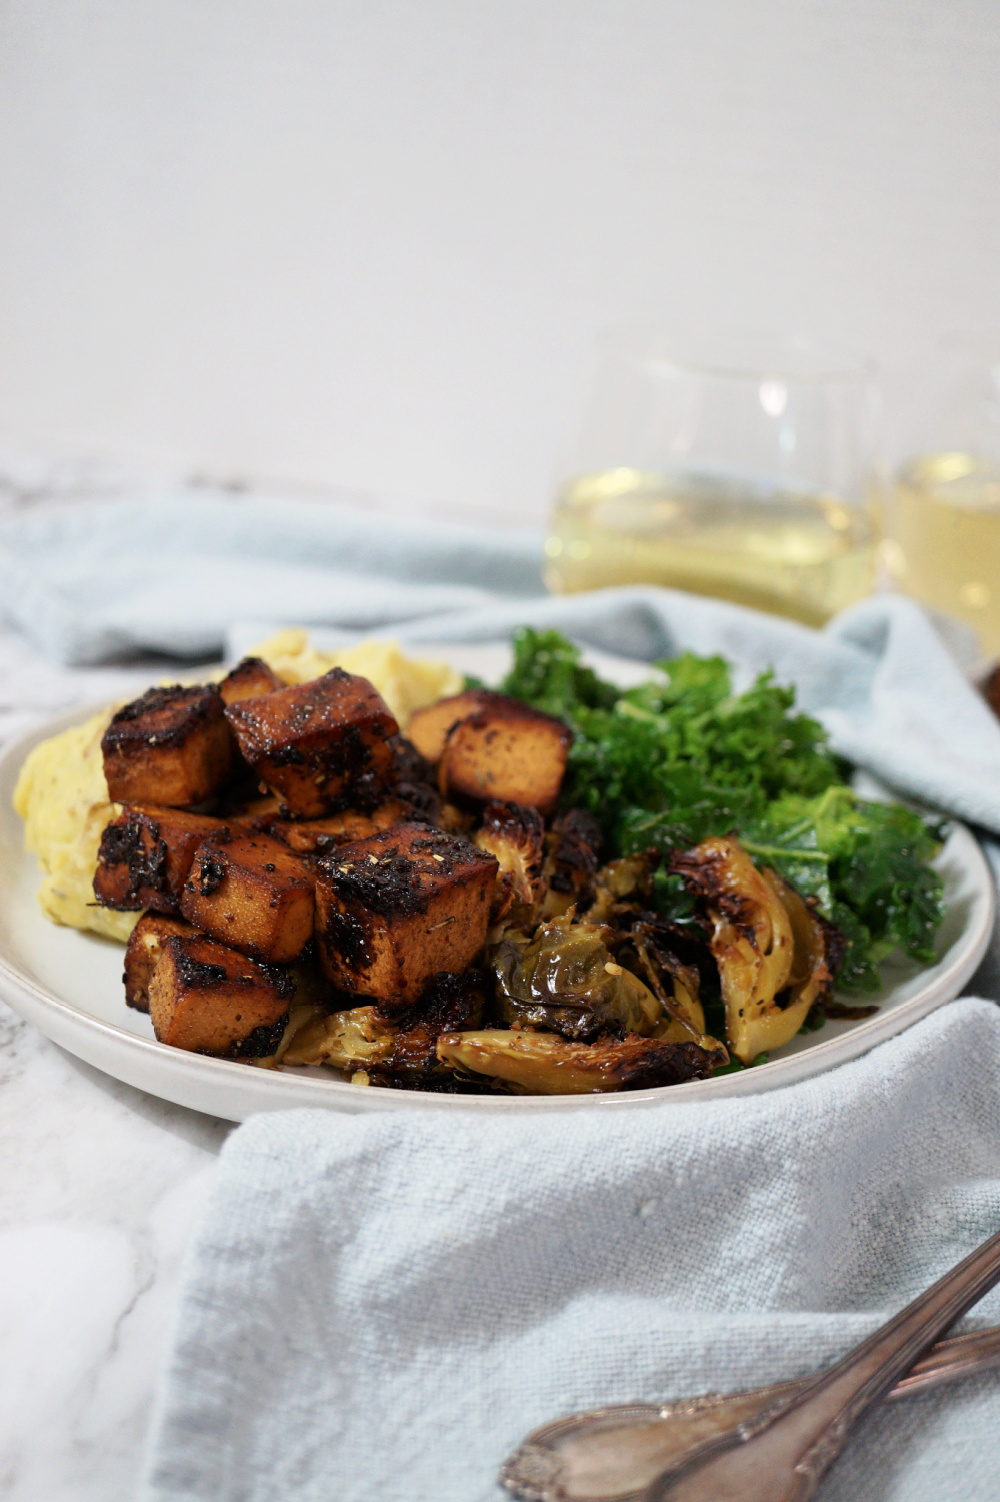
369, 245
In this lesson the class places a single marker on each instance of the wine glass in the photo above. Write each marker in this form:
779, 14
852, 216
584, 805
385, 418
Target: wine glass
729, 465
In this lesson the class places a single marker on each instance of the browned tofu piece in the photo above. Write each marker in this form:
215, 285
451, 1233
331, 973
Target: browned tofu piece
248, 680
250, 891
253, 813
208, 999
394, 910
428, 728
145, 855
171, 747
142, 953
315, 743
506, 752
319, 836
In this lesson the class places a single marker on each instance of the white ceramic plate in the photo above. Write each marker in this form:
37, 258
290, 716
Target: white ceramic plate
69, 985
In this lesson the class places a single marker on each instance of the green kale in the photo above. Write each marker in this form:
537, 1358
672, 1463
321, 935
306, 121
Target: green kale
547, 673
681, 758
868, 867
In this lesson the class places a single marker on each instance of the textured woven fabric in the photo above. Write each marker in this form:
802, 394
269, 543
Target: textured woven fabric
89, 582
381, 1306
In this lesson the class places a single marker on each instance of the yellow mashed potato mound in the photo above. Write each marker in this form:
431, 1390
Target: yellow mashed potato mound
405, 683
63, 799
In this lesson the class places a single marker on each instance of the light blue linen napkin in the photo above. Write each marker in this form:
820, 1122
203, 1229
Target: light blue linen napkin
382, 1306
88, 582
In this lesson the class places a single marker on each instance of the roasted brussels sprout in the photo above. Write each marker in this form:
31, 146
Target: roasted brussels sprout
566, 979
515, 835
774, 953
573, 846
811, 977
676, 984
622, 886
543, 1064
398, 1051
357, 1039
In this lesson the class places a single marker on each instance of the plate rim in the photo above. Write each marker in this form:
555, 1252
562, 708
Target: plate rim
242, 1090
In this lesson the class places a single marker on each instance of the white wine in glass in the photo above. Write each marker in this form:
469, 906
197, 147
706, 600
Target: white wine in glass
732, 467
945, 547
793, 552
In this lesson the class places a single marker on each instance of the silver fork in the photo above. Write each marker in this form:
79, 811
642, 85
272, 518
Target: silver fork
612, 1454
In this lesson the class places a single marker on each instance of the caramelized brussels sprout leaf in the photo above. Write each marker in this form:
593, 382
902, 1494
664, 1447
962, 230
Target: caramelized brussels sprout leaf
543, 1064
565, 979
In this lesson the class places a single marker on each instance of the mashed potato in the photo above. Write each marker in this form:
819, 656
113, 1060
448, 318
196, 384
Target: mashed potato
405, 683
63, 799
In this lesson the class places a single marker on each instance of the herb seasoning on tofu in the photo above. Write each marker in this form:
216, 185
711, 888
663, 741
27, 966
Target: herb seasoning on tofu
554, 886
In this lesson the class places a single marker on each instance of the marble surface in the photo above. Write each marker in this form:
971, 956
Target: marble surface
99, 1189
100, 1186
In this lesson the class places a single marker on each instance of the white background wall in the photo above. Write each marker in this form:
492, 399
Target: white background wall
369, 242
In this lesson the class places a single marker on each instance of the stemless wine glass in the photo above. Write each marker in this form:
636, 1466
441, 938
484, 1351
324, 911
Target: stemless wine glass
944, 523
727, 465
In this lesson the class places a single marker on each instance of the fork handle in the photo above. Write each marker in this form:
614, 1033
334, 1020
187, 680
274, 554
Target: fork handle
780, 1454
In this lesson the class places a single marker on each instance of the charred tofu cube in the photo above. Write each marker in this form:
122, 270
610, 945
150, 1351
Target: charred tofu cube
394, 910
314, 743
506, 752
253, 813
171, 747
142, 953
206, 998
250, 891
428, 728
145, 855
319, 836
248, 680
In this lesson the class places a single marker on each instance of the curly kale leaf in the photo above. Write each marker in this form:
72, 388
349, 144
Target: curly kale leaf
685, 748
868, 867
547, 673
681, 758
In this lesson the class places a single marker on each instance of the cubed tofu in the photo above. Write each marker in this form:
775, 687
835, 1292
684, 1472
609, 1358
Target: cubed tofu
394, 910
142, 953
428, 728
250, 891
170, 747
319, 836
248, 680
506, 752
145, 855
410, 765
207, 998
317, 742
253, 813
